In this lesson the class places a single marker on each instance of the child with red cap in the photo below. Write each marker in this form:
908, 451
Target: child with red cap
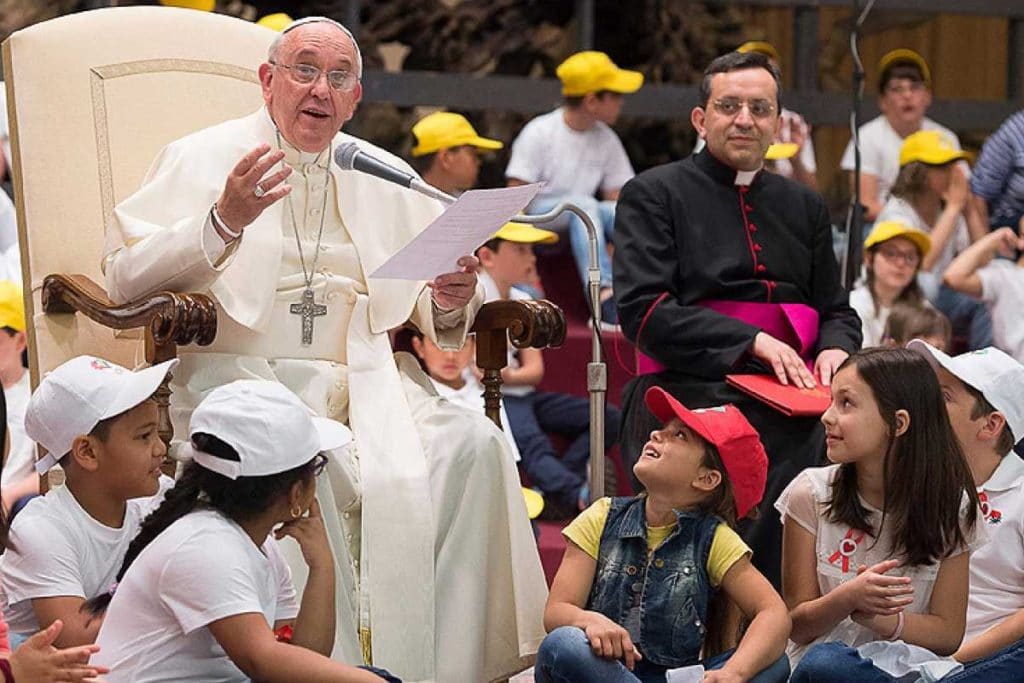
642, 586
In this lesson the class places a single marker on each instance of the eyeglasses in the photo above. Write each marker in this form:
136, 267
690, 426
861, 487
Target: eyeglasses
894, 255
305, 74
319, 464
730, 106
906, 87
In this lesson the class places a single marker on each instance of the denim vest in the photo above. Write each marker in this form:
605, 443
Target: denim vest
674, 585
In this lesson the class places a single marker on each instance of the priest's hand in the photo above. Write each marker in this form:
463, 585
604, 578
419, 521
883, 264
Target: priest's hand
247, 193
826, 363
454, 290
784, 361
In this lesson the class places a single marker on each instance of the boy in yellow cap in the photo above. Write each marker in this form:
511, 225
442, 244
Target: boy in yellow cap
18, 478
794, 156
507, 258
447, 151
576, 154
904, 95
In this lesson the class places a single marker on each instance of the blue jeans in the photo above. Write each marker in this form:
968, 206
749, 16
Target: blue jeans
967, 314
1005, 665
831, 662
530, 416
602, 213
565, 656
384, 675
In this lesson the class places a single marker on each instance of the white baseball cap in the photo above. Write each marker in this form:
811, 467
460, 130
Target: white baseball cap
998, 377
266, 424
77, 395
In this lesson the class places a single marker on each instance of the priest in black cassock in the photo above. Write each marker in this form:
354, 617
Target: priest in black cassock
721, 267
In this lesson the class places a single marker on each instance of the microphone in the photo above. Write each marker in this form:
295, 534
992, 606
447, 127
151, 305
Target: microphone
350, 157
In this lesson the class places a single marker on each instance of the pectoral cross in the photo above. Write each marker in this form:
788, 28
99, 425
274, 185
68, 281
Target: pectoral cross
308, 309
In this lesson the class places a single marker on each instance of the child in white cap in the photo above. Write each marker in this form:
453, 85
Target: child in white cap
984, 394
204, 593
98, 421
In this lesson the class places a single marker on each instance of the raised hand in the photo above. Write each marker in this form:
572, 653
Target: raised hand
310, 534
454, 290
247, 193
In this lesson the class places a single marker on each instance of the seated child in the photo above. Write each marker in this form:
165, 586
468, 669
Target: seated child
999, 282
640, 575
876, 546
508, 259
983, 398
204, 593
907, 322
36, 660
451, 373
892, 258
99, 422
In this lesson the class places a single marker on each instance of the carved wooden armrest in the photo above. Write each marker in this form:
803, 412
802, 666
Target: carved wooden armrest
535, 323
170, 318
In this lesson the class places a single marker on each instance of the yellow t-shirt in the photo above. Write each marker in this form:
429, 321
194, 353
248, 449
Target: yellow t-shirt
726, 547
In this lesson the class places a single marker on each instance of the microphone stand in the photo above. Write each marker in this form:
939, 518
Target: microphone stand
597, 369
855, 217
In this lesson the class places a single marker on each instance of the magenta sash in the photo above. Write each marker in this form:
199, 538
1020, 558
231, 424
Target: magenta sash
795, 324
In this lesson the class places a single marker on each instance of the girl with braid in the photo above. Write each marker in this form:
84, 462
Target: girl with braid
204, 592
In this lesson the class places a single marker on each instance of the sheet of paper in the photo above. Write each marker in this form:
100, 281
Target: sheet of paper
472, 220
685, 674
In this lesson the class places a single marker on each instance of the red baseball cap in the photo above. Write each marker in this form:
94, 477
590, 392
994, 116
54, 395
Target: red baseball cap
728, 430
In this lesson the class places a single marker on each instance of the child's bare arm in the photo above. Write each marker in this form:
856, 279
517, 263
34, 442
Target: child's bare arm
530, 371
941, 628
80, 628
568, 596
251, 645
765, 638
1007, 632
962, 273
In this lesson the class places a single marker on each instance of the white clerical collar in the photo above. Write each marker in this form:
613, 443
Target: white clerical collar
746, 177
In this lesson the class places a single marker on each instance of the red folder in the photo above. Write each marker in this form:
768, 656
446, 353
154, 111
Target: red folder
785, 398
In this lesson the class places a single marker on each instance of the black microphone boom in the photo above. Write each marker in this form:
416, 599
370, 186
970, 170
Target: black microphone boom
349, 157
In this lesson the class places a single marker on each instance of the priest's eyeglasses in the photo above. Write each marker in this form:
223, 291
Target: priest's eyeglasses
305, 74
730, 106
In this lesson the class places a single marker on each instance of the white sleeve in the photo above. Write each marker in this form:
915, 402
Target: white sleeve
203, 581
617, 169
846, 162
807, 155
993, 278
523, 162
798, 502
41, 561
287, 599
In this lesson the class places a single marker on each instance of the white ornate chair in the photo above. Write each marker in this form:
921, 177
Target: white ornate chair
92, 98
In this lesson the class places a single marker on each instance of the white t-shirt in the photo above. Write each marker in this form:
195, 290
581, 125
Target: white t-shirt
21, 460
880, 151
898, 209
491, 293
469, 397
57, 549
202, 568
997, 569
872, 324
841, 549
1002, 289
569, 162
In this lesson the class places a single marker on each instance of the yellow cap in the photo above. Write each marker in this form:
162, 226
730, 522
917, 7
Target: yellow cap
904, 56
278, 21
525, 234
201, 5
534, 502
931, 147
761, 47
781, 150
444, 129
887, 230
12, 306
587, 72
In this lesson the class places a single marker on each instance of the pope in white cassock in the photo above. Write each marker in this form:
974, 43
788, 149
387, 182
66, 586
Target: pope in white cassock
438, 574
